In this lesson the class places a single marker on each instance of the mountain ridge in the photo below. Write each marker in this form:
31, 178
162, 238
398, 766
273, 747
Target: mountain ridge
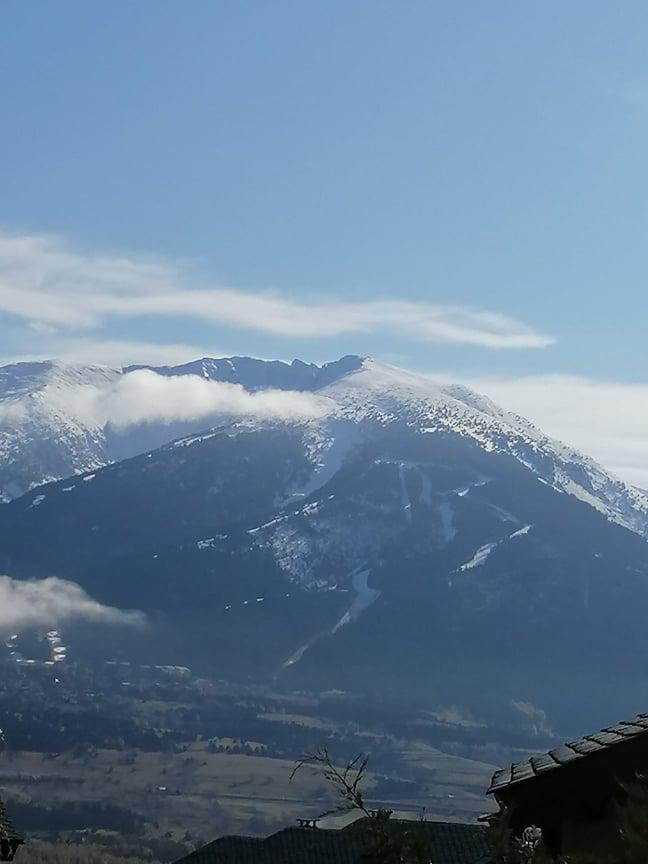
42, 439
254, 374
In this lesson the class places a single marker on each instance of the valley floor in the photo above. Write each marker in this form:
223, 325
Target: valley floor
202, 794
150, 762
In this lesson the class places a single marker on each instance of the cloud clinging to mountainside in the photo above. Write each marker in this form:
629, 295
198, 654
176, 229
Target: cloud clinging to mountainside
52, 602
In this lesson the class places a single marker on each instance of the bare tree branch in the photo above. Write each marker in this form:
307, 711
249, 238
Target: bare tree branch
346, 781
393, 842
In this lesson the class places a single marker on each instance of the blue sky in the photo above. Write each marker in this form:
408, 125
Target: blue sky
464, 185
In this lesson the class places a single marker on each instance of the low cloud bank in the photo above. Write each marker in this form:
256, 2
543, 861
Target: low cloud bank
144, 396
607, 420
52, 602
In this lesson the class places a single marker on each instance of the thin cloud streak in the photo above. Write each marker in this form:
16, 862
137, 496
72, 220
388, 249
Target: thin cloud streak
47, 284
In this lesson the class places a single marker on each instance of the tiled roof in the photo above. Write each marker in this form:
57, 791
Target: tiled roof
567, 754
448, 843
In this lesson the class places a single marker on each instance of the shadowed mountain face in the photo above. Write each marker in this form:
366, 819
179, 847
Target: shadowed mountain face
414, 540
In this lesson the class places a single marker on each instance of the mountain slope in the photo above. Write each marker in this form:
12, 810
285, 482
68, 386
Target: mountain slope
380, 391
415, 537
45, 435
42, 437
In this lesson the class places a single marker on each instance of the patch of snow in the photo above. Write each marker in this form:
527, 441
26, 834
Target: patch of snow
466, 489
365, 596
521, 532
479, 558
88, 478
572, 488
196, 439
299, 653
206, 544
210, 542
483, 553
269, 524
329, 452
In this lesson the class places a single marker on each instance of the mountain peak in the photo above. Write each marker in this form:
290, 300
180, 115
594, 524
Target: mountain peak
254, 374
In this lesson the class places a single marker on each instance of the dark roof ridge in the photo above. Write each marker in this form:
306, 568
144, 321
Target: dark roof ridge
570, 752
450, 843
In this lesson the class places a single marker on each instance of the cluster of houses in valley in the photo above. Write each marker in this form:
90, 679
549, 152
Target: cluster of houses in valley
569, 802
56, 651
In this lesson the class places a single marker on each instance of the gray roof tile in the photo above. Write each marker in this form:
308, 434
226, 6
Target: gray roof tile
638, 721
605, 738
584, 746
626, 728
564, 754
521, 770
501, 778
545, 762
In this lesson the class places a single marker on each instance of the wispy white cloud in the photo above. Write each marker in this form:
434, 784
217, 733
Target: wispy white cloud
146, 397
52, 602
607, 420
49, 285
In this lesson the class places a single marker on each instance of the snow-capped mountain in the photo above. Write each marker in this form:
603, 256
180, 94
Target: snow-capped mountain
383, 392
408, 535
256, 374
42, 436
45, 435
